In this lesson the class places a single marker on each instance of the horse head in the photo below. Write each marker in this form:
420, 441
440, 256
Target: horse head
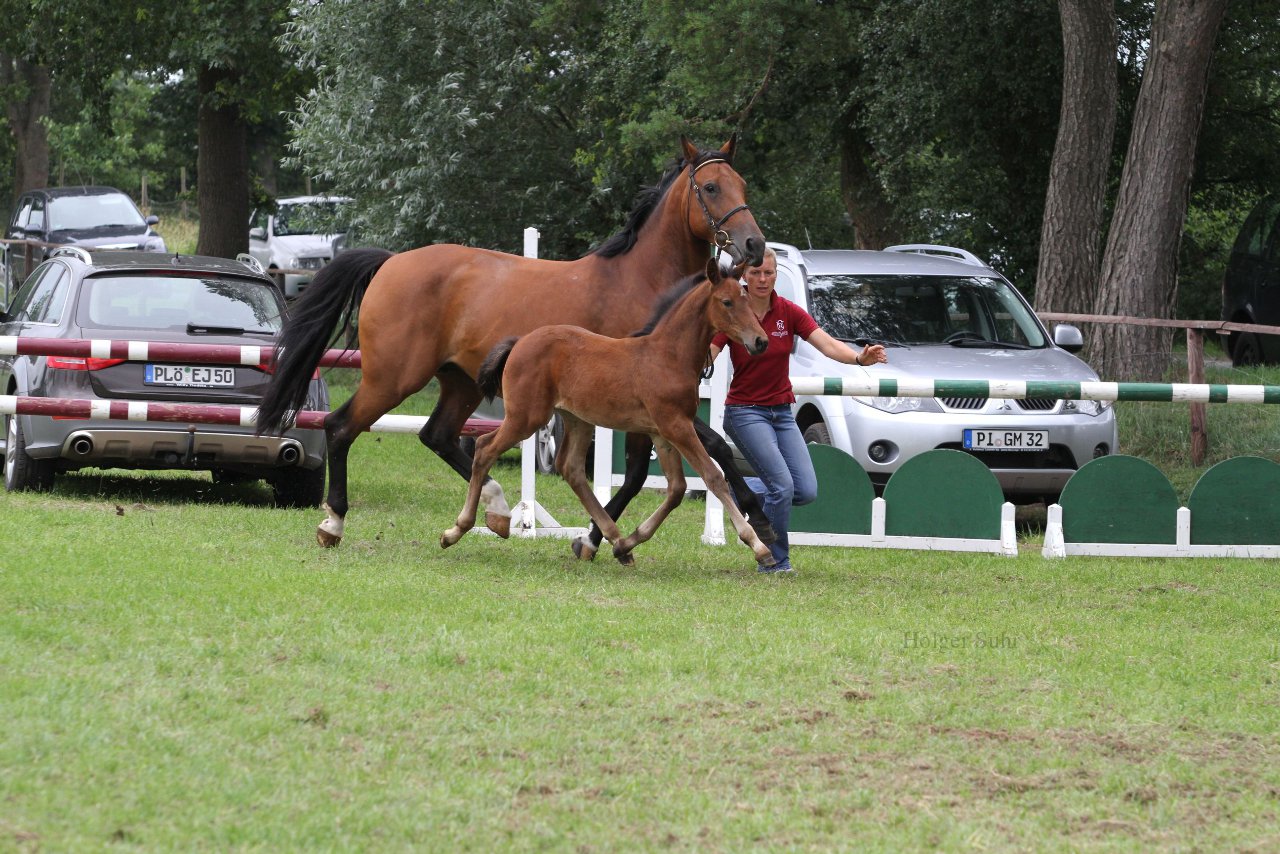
716, 204
729, 310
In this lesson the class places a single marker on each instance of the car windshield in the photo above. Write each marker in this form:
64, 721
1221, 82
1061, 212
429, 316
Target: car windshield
76, 213
158, 302
957, 310
311, 218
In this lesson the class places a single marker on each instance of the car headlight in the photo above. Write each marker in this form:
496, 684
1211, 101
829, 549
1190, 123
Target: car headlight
1085, 407
895, 405
155, 244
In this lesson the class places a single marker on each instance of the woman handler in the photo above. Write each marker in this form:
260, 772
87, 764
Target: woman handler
757, 414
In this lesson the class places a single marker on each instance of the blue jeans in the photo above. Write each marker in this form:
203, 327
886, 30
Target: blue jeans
772, 443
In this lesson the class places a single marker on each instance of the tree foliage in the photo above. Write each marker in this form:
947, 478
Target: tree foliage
860, 123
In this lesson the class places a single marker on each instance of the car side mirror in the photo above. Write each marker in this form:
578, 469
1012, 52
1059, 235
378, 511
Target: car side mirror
1068, 337
153, 219
258, 233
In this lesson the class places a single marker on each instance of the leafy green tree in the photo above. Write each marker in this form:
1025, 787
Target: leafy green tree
241, 77
446, 121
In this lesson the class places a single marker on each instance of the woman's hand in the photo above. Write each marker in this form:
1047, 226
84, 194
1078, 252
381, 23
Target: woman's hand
872, 354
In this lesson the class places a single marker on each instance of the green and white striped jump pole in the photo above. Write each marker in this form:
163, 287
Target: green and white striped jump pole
1022, 389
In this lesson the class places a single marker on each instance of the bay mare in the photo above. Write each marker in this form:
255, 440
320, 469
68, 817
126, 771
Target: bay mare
437, 311
647, 383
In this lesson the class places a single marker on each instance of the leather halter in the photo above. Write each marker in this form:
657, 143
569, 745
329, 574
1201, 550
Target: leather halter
719, 236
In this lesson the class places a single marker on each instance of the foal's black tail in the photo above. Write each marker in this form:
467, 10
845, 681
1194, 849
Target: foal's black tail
489, 377
334, 295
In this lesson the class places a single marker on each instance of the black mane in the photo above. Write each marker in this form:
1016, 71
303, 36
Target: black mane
673, 295
645, 203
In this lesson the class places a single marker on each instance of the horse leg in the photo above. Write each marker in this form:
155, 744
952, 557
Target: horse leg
488, 448
572, 463
673, 470
683, 435
459, 397
748, 501
638, 446
341, 427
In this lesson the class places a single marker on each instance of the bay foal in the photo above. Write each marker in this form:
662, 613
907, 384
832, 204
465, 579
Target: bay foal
647, 383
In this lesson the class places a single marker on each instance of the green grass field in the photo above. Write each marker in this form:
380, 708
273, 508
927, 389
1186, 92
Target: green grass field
181, 668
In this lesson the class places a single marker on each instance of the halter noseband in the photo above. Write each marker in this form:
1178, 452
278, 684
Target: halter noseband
719, 237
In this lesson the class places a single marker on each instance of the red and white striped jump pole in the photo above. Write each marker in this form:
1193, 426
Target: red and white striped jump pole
159, 351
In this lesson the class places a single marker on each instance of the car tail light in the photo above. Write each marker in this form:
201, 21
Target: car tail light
268, 366
74, 363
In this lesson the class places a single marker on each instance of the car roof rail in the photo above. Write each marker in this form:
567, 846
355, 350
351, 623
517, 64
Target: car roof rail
252, 263
785, 250
74, 251
933, 249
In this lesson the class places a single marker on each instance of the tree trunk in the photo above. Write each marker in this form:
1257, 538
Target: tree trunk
1139, 267
222, 164
31, 165
874, 224
1071, 234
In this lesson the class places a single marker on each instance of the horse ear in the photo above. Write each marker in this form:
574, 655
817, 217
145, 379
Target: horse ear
690, 150
730, 147
738, 270
713, 271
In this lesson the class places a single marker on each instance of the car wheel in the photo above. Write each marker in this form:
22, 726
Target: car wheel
1248, 350
298, 487
547, 443
23, 472
817, 434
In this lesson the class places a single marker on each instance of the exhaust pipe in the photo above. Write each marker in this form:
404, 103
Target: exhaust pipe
82, 446
290, 455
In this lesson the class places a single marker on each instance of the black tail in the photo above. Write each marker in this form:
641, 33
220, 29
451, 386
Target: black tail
489, 378
328, 305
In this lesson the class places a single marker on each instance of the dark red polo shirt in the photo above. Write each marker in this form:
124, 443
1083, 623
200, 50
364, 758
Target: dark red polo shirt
764, 380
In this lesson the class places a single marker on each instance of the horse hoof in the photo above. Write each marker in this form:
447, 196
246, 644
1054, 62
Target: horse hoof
625, 558
764, 531
583, 549
445, 542
500, 525
327, 540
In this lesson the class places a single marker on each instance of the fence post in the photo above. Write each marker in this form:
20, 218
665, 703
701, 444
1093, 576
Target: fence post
1195, 376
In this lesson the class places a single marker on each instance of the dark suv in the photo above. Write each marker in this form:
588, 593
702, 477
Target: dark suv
1251, 286
93, 217
142, 296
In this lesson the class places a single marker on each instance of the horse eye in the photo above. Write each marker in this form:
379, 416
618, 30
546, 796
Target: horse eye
727, 303
710, 187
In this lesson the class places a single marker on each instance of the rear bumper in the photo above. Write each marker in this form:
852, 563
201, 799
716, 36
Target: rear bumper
108, 447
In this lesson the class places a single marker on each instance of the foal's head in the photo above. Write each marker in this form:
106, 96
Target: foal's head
729, 310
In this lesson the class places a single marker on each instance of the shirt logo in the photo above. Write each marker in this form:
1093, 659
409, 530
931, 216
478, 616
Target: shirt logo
781, 331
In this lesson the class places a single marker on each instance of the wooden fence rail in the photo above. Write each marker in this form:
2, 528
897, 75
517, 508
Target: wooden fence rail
1195, 355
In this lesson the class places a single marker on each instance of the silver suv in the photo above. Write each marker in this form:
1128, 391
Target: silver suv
942, 313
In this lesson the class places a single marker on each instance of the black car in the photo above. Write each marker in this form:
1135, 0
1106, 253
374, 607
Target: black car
142, 296
93, 217
1251, 286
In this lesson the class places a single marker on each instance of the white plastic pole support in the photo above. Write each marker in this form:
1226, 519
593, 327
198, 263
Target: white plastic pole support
713, 523
525, 514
